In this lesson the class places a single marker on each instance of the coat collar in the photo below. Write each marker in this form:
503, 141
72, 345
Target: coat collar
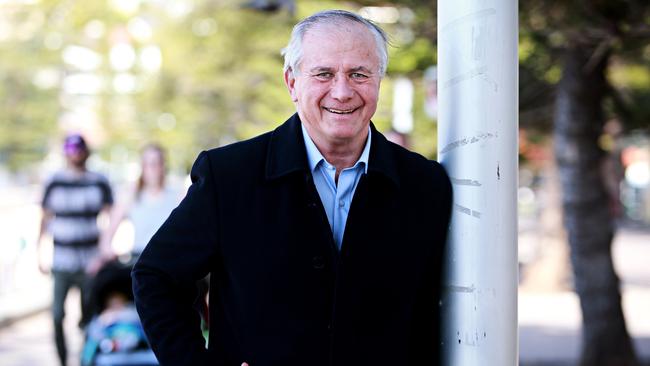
287, 153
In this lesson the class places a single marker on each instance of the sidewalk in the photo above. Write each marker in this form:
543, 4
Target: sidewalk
29, 341
549, 326
550, 320
20, 303
23, 289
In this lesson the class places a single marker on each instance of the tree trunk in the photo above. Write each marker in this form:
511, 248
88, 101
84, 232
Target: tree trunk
588, 221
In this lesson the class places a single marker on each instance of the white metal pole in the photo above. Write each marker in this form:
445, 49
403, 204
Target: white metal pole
477, 132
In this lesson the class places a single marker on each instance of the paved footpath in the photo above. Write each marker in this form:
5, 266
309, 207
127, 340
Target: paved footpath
30, 340
549, 321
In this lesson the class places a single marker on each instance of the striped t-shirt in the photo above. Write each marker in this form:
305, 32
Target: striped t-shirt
75, 199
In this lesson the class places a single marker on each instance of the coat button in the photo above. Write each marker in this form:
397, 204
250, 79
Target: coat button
318, 262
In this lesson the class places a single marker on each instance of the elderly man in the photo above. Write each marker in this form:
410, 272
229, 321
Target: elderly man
323, 239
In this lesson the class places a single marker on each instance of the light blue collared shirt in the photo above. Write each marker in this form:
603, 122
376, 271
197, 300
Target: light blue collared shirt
336, 199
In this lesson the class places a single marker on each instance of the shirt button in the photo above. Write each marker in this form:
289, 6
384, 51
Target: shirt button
318, 262
341, 203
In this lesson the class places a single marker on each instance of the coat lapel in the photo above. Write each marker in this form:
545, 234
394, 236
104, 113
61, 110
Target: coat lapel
286, 152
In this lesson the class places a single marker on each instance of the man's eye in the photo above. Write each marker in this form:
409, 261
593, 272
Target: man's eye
324, 75
358, 75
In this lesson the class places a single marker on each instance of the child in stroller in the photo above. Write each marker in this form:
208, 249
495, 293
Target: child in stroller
114, 336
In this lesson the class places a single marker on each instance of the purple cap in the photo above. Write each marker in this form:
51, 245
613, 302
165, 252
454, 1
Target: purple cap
74, 143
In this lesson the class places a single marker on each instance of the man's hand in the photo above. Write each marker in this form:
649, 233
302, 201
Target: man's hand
105, 255
42, 267
46, 217
95, 265
40, 261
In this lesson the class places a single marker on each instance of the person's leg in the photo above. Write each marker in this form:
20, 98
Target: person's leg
84, 283
61, 286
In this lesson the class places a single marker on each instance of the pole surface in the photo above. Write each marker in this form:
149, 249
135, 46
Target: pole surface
478, 129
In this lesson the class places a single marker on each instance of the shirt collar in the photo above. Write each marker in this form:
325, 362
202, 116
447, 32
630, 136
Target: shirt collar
314, 156
286, 153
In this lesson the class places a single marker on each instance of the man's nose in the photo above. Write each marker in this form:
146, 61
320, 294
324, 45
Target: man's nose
341, 89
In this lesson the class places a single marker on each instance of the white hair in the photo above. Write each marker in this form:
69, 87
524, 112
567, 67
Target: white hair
293, 52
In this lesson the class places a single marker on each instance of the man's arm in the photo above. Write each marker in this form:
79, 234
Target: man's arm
164, 277
426, 334
106, 253
116, 214
46, 216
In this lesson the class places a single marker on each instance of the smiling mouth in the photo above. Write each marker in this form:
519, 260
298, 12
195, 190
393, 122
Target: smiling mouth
340, 111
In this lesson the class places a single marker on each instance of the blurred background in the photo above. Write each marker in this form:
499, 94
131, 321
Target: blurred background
196, 74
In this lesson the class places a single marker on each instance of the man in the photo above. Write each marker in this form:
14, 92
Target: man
72, 200
322, 238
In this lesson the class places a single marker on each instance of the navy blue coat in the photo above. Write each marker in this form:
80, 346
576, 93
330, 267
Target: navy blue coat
281, 294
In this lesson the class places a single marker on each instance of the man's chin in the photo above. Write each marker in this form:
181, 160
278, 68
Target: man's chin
347, 133
78, 164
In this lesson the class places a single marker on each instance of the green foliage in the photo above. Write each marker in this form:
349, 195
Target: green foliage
635, 76
616, 29
412, 57
220, 79
28, 112
222, 82
26, 120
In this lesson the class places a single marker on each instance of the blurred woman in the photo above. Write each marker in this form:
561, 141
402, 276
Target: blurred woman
115, 335
147, 205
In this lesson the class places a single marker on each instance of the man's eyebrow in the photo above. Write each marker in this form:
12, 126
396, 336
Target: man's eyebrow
361, 68
320, 69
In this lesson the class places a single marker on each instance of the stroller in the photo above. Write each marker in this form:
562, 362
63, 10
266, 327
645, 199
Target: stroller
114, 336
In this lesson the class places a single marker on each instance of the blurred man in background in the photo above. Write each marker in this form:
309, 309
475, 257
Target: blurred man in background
72, 200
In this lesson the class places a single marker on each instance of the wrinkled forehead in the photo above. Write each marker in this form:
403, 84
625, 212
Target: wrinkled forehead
342, 29
338, 41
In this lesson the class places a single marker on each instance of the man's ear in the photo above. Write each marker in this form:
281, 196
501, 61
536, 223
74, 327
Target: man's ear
290, 81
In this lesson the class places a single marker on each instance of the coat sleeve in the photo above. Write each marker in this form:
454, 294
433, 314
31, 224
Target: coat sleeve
165, 275
426, 337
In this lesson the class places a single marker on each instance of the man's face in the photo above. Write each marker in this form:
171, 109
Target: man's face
76, 157
337, 85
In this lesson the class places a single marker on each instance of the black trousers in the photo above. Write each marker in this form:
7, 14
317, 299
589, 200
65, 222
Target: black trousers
63, 281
